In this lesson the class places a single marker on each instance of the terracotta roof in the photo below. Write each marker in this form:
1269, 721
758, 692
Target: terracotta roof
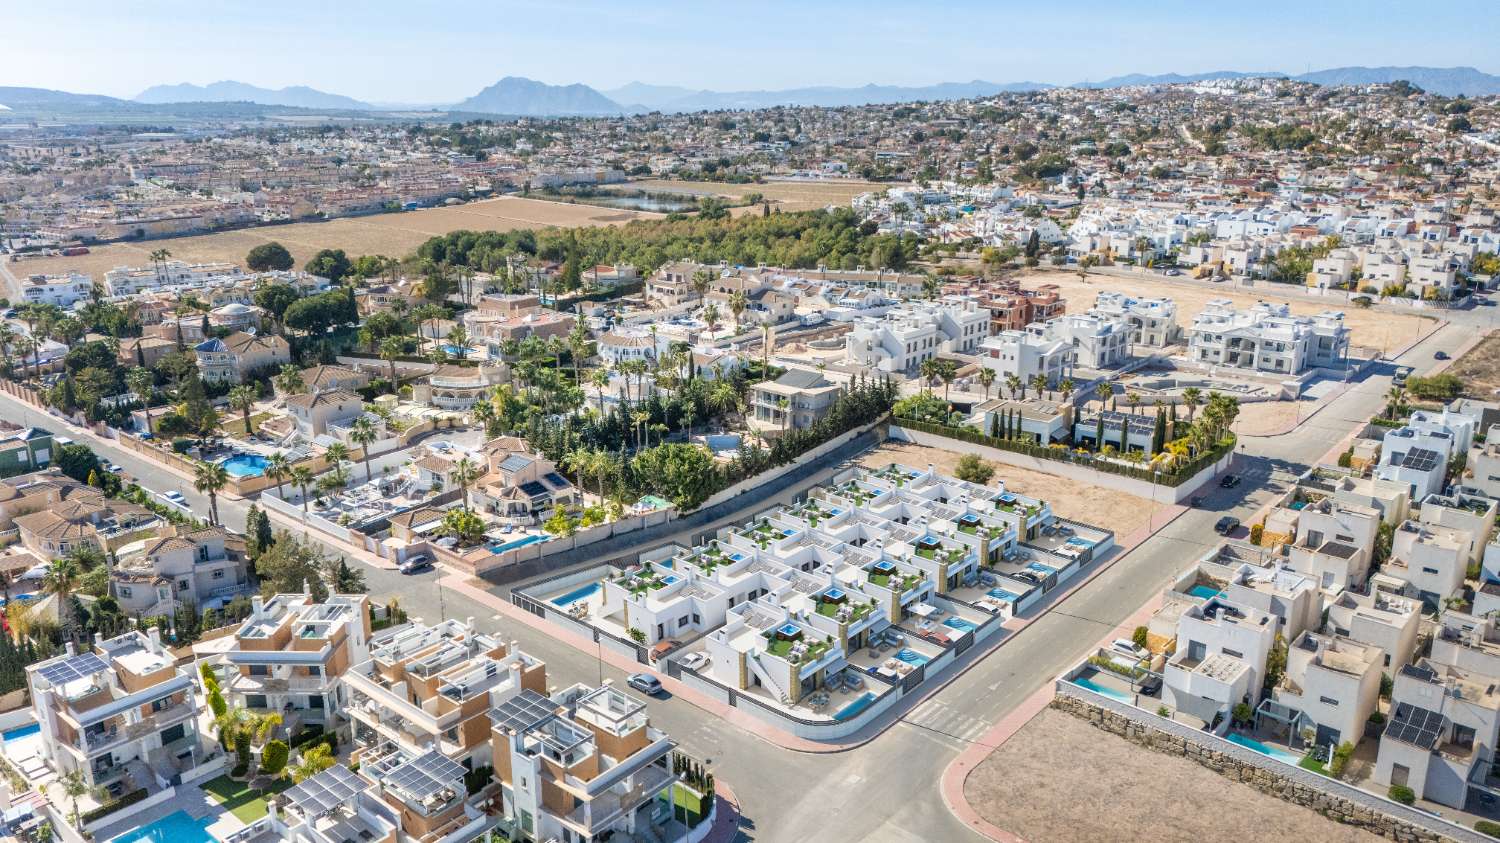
333, 396
435, 464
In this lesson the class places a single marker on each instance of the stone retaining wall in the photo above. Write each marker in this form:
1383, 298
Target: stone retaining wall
1335, 800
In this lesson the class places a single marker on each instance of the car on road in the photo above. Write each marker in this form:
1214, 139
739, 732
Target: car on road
1229, 481
1227, 525
113, 468
176, 499
1440, 355
1196, 501
645, 683
1172, 272
415, 564
1486, 302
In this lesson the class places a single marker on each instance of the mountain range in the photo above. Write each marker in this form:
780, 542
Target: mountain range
518, 96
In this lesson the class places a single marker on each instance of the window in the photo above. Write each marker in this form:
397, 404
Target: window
1427, 570
125, 591
1236, 653
219, 574
259, 670
1328, 701
1463, 736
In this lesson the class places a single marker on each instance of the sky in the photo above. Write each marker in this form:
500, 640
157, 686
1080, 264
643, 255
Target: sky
434, 51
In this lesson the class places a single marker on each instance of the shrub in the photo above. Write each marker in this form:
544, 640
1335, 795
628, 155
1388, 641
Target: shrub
1487, 827
130, 798
239, 771
1346, 459
307, 736
477, 778
1256, 532
974, 470
1243, 713
1341, 755
1109, 664
273, 757
1140, 637
637, 635
1403, 794
1163, 711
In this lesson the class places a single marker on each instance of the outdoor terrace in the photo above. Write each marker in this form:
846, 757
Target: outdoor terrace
887, 574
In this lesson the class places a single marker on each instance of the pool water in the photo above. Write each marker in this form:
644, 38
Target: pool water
1002, 594
1041, 569
575, 595
176, 827
855, 707
1100, 689
959, 624
1204, 591
1253, 744
22, 732
245, 465
912, 657
512, 545
455, 351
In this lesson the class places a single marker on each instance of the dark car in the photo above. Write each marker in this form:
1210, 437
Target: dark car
1150, 686
1229, 481
1227, 525
1440, 355
418, 564
1196, 501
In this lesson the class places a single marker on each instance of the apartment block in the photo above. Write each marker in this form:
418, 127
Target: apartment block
1028, 353
1377, 618
908, 336
1152, 321
1267, 338
1333, 542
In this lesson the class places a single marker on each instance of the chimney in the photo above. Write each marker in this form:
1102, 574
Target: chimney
154, 633
469, 622
68, 648
257, 605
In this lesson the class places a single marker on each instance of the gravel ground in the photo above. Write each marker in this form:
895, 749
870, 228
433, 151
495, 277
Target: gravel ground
1060, 779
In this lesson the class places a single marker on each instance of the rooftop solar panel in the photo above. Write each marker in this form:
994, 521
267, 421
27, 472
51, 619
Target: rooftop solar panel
426, 775
1421, 459
524, 711
76, 667
326, 791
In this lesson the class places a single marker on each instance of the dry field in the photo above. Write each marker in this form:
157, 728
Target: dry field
1060, 779
394, 235
1118, 511
1368, 328
787, 195
1270, 418
1479, 368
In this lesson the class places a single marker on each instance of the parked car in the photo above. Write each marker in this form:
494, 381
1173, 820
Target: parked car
1150, 686
415, 564
113, 468
175, 499
645, 683
1440, 355
1227, 525
1229, 481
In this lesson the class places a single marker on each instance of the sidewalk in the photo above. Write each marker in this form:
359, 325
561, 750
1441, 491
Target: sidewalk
726, 815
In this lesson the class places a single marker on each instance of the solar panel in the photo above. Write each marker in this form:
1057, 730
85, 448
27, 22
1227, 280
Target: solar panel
426, 775
76, 667
524, 711
556, 480
1417, 726
326, 791
1421, 459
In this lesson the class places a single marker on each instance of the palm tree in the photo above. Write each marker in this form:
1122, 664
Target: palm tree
929, 371
1191, 398
600, 380
711, 318
1393, 400
7, 339
1133, 398
277, 469
302, 477
61, 580
578, 344
289, 380
783, 405
1013, 383
765, 349
28, 343
987, 380
312, 761
738, 304
701, 281
639, 418
243, 398
946, 371
209, 478
1039, 383
362, 433
390, 349
1066, 388
459, 338
140, 380
74, 784
723, 397
464, 473
1107, 390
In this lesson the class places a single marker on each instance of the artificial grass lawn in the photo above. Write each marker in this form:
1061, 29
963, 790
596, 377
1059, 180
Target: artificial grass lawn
240, 799
1310, 763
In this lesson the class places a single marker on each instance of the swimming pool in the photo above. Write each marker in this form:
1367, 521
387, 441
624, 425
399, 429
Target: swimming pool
575, 595
1100, 689
176, 827
959, 624
912, 657
512, 545
22, 732
1041, 569
855, 706
1204, 591
1002, 594
1253, 744
245, 465
455, 351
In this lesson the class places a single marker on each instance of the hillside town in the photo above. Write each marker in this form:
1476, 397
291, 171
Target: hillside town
608, 529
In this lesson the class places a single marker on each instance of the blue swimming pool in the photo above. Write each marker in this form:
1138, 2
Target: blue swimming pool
455, 351
512, 545
176, 827
245, 465
1002, 594
855, 707
1083, 543
959, 624
1251, 743
1204, 591
912, 657
1100, 689
22, 732
1041, 569
575, 595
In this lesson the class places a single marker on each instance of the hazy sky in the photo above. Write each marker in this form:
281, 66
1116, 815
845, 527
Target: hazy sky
444, 50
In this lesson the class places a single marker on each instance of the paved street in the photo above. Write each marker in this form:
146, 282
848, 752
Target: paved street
887, 789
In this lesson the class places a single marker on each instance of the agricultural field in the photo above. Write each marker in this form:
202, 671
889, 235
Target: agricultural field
1370, 329
394, 235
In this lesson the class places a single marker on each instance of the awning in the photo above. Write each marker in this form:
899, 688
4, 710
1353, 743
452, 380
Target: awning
922, 610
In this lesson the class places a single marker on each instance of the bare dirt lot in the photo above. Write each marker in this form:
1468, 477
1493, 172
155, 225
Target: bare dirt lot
1060, 779
1117, 511
1371, 329
393, 235
786, 195
1479, 368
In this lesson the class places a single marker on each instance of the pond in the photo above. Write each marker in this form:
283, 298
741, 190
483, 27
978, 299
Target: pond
661, 203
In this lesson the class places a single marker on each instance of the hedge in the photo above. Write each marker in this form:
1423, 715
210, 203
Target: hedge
130, 798
1487, 827
1175, 477
1403, 794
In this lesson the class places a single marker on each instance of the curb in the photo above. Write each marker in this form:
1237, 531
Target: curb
726, 815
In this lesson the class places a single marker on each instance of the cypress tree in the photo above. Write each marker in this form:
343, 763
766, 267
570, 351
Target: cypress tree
1099, 432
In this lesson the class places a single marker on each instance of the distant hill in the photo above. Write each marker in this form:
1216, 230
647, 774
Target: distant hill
515, 95
297, 96
23, 98
643, 97
1173, 78
657, 97
1448, 81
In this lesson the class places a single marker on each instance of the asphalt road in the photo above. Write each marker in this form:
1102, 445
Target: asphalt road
887, 790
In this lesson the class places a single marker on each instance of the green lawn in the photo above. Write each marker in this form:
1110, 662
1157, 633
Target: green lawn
237, 798
1310, 763
686, 803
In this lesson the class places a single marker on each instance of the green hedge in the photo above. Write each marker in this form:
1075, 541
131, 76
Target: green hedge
1487, 827
1403, 794
130, 798
1176, 477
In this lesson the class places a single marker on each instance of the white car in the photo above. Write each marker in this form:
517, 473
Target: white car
175, 499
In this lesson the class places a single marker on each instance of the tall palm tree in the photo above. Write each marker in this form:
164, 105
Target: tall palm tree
140, 380
578, 345
7, 341
1066, 388
639, 418
289, 380
302, 477
600, 379
1013, 384
711, 318
243, 398
946, 371
459, 339
1039, 383
390, 349
277, 469
336, 455
1191, 398
766, 330
785, 407
701, 281
464, 473
362, 433
987, 380
738, 304
723, 397
209, 478
929, 371
1133, 398
61, 580
29, 344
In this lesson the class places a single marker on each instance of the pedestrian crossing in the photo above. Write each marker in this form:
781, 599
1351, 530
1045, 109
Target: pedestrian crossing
938, 716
